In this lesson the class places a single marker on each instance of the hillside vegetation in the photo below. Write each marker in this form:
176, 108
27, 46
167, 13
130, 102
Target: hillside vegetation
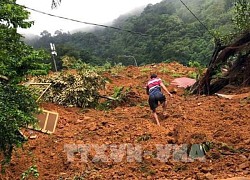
106, 106
165, 31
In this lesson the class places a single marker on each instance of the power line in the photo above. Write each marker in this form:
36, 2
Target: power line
112, 27
198, 20
83, 22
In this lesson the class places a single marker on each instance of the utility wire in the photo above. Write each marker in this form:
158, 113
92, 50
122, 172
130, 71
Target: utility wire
94, 24
112, 27
199, 20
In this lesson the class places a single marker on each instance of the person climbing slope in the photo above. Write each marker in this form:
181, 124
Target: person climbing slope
153, 89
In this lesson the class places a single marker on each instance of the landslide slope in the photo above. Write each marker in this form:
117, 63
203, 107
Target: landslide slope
223, 123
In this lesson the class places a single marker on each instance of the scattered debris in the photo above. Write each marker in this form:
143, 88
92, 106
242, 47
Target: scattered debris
47, 121
234, 96
33, 136
183, 82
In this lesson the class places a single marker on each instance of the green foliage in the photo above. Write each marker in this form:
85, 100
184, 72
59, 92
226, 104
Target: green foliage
71, 63
119, 95
14, 16
115, 70
79, 88
199, 69
194, 64
118, 98
175, 34
16, 58
144, 137
176, 75
164, 70
17, 61
17, 108
145, 70
30, 171
242, 15
193, 75
107, 66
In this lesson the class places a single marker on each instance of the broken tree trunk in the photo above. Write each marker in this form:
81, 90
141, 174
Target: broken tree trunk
236, 53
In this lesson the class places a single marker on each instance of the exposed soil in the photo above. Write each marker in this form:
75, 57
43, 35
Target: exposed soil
224, 123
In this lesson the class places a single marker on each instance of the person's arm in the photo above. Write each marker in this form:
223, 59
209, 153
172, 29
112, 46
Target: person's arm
165, 89
147, 90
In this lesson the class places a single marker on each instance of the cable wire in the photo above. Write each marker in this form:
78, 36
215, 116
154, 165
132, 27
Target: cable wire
199, 20
116, 28
83, 22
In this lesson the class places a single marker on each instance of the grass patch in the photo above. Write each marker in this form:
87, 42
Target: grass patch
193, 75
176, 75
144, 70
144, 137
164, 70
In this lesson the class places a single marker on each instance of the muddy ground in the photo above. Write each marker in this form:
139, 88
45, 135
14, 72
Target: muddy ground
222, 124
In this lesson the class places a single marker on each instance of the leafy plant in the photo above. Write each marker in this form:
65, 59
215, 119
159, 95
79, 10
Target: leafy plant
241, 15
30, 171
193, 75
164, 70
17, 109
198, 69
176, 75
119, 97
70, 62
17, 61
145, 70
144, 137
107, 66
79, 89
115, 70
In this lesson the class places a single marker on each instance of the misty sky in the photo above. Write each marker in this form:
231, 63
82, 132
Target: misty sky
93, 11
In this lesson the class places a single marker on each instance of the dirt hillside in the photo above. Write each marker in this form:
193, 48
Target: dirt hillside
222, 124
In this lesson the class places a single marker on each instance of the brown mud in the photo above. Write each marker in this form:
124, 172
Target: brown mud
192, 119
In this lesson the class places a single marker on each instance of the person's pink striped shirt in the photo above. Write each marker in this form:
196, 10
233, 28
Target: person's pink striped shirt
155, 82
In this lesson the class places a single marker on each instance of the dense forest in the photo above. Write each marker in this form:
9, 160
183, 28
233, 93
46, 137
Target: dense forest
166, 31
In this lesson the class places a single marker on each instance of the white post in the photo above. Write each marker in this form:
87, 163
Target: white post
53, 54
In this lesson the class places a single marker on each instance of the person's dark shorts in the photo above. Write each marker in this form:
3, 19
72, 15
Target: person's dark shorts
154, 100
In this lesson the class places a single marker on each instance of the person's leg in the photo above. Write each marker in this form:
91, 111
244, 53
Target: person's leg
156, 118
164, 106
153, 103
163, 101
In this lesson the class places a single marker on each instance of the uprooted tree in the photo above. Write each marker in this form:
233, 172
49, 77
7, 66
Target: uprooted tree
79, 88
235, 57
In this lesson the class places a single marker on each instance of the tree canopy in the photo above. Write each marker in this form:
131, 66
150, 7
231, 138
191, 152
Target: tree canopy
172, 34
17, 60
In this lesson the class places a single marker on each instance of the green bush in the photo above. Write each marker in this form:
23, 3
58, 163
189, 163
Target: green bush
17, 61
80, 89
17, 108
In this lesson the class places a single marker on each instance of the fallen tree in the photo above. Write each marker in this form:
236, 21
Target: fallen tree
235, 58
80, 89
